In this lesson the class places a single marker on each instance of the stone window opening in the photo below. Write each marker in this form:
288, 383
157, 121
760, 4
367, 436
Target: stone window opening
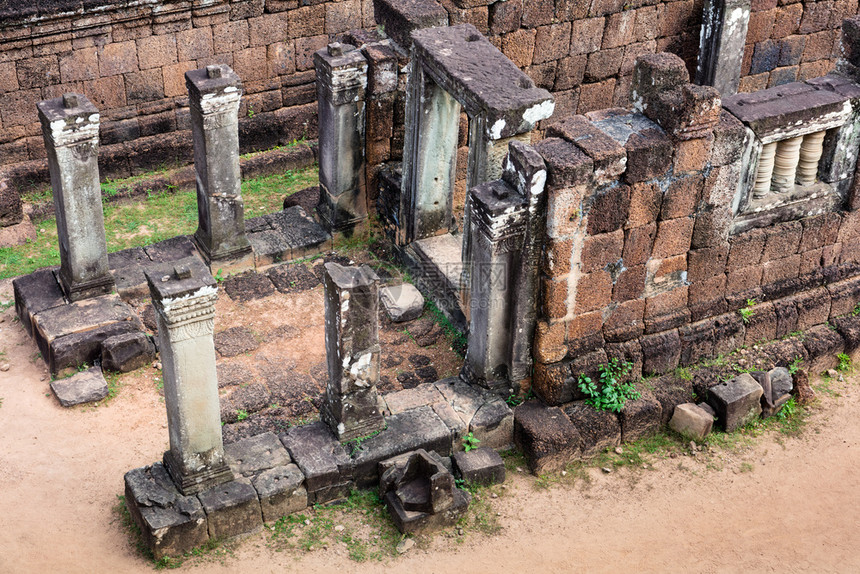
788, 163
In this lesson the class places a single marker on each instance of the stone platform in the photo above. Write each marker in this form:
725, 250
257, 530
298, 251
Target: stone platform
280, 474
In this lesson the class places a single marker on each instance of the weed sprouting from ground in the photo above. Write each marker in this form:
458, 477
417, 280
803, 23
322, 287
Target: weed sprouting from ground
458, 339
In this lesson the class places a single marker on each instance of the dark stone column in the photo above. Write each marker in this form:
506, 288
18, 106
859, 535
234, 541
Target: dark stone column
506, 231
352, 351
341, 72
214, 94
721, 44
70, 126
185, 312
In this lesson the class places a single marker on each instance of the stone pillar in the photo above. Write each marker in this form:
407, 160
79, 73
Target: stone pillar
721, 44
506, 231
429, 158
214, 94
185, 311
70, 126
352, 351
341, 73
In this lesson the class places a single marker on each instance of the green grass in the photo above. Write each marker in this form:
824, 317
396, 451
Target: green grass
155, 218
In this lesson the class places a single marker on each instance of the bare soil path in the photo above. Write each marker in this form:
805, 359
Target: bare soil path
782, 505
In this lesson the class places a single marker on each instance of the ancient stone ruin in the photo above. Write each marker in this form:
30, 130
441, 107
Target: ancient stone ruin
672, 223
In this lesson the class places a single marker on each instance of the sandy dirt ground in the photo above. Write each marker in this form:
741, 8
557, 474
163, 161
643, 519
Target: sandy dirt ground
781, 505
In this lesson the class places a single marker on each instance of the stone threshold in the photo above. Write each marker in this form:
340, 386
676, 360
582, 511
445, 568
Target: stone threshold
306, 465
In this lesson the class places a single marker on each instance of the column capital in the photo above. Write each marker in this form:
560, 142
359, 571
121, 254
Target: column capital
69, 119
213, 89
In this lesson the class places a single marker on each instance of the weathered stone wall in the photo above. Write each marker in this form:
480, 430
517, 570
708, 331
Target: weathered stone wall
644, 261
129, 58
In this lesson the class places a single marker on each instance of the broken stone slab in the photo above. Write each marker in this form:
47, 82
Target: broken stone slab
172, 249
402, 302
251, 455
708, 409
85, 387
480, 466
420, 493
640, 418
127, 267
598, 429
281, 490
418, 428
400, 18
232, 508
493, 424
466, 65
170, 524
35, 293
781, 385
546, 437
456, 425
322, 459
422, 395
86, 323
127, 352
737, 402
691, 422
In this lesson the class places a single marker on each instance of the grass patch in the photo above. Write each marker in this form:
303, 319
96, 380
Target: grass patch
155, 218
459, 342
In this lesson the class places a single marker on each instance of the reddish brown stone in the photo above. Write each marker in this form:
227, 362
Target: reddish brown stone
519, 46
174, 78
603, 64
280, 59
596, 96
746, 249
567, 165
630, 284
538, 13
619, 29
587, 36
743, 279
813, 308
659, 269
552, 42
342, 16
543, 75
505, 16
697, 342
844, 296
760, 325
705, 263
681, 197
193, 44
307, 21
584, 332
637, 244
106, 93
608, 210
552, 383
250, 63
645, 203
707, 298
549, 342
156, 51
760, 26
660, 352
666, 303
569, 73
625, 322
554, 298
676, 17
692, 155
819, 231
305, 48
557, 255
646, 27
819, 46
600, 251
593, 291
78, 65
144, 86
782, 240
673, 237
649, 155
232, 36
780, 269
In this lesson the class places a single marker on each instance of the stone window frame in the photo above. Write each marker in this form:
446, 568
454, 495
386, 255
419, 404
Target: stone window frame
780, 114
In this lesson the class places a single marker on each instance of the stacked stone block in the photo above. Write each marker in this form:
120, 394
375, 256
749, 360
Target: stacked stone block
644, 259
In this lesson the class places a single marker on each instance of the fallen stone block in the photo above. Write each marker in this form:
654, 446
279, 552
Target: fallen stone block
737, 402
671, 391
691, 422
127, 352
322, 459
599, 429
421, 495
251, 455
640, 418
171, 524
781, 386
415, 429
480, 466
85, 387
35, 293
546, 436
231, 508
493, 424
281, 491
422, 395
402, 302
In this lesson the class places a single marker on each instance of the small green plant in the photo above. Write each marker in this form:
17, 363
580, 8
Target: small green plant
470, 441
856, 310
788, 410
748, 311
241, 414
845, 364
219, 275
683, 373
250, 111
613, 392
355, 443
794, 366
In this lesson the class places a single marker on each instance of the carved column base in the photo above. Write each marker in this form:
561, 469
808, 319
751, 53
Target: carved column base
75, 291
190, 483
227, 260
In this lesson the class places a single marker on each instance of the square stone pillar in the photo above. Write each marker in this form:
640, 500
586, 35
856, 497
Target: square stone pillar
341, 73
352, 351
70, 126
506, 232
214, 94
721, 44
185, 312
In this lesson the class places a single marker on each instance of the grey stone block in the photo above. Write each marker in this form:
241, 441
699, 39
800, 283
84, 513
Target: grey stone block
321, 458
171, 524
85, 387
640, 418
418, 428
281, 490
402, 302
598, 429
691, 421
480, 466
737, 402
232, 508
546, 436
251, 455
493, 424
127, 352
422, 395
36, 292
